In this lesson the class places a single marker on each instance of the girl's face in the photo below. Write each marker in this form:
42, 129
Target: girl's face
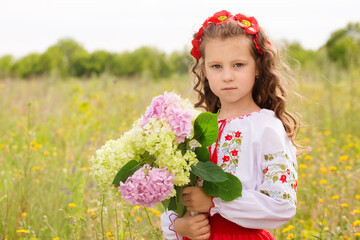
231, 69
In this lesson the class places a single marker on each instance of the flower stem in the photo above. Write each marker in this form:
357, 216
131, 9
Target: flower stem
101, 216
117, 225
149, 219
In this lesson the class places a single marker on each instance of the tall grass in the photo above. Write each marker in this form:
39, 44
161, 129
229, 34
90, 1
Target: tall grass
50, 128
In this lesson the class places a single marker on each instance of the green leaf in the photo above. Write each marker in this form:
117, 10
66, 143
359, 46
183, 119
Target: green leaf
202, 153
206, 128
184, 146
275, 178
225, 145
166, 203
227, 190
209, 171
176, 203
126, 171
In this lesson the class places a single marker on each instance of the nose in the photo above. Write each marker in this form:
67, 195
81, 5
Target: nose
227, 75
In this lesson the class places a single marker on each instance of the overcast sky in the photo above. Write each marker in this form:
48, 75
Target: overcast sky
116, 25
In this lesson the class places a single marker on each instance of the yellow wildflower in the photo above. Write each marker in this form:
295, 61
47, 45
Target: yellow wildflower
302, 166
323, 169
323, 182
307, 140
57, 238
335, 197
344, 158
24, 214
308, 157
321, 200
327, 133
344, 205
46, 153
290, 236
35, 168
356, 211
357, 196
287, 229
333, 168
348, 167
355, 223
139, 219
72, 205
22, 231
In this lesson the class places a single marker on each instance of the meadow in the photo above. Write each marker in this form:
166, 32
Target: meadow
49, 129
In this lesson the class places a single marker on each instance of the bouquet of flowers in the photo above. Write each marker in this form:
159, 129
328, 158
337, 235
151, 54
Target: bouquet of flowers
166, 149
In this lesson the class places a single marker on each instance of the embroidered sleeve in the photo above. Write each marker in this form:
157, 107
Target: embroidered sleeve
167, 225
280, 176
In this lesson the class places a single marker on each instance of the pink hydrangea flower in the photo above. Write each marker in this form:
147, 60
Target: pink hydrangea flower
147, 186
167, 107
180, 122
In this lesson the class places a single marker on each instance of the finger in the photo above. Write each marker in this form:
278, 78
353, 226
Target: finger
202, 237
187, 190
201, 217
203, 231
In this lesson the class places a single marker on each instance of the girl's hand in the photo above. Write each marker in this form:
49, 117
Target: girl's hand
196, 200
194, 228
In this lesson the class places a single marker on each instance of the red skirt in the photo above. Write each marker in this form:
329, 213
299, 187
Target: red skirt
223, 229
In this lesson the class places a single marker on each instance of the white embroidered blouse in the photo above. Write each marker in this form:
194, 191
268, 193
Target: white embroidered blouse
255, 148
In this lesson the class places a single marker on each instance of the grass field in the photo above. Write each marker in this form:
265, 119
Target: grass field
50, 128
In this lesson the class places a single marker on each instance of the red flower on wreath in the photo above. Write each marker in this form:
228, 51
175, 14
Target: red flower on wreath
283, 178
228, 137
226, 158
249, 24
218, 18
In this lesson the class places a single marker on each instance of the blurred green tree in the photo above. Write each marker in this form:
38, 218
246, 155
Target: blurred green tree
6, 63
343, 45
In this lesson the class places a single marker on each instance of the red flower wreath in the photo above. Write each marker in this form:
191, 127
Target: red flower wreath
249, 24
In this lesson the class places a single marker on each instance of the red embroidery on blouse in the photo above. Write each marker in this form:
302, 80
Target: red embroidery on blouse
237, 134
283, 178
173, 224
212, 200
234, 152
228, 137
226, 158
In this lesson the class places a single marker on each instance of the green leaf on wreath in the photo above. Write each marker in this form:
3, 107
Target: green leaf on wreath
202, 153
127, 170
206, 128
209, 171
227, 190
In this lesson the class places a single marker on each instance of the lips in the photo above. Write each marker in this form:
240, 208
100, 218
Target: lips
229, 88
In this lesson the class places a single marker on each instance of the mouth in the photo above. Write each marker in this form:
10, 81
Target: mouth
229, 88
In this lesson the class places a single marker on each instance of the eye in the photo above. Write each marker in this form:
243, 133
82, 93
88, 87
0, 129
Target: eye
216, 66
237, 65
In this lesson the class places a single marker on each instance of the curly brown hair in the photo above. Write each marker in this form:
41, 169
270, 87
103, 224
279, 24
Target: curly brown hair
271, 85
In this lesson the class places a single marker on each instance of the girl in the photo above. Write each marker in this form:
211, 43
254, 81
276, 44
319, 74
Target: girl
238, 74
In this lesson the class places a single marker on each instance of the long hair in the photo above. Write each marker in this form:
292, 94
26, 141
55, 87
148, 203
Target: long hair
271, 85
